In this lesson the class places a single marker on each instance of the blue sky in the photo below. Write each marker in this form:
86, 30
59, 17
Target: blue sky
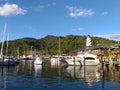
38, 18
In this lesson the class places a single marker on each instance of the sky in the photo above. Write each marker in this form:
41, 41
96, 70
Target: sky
39, 18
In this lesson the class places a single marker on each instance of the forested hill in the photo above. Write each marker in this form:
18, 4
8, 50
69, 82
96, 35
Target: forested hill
49, 45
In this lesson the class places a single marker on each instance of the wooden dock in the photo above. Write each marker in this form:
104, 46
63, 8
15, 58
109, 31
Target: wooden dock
109, 65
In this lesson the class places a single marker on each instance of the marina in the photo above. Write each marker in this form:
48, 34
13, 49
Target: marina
59, 45
29, 76
90, 68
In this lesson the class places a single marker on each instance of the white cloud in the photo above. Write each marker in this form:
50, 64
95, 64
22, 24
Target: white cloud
115, 37
52, 4
11, 10
104, 13
30, 28
78, 29
79, 12
38, 8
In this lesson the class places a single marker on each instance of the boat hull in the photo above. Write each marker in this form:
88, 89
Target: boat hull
38, 61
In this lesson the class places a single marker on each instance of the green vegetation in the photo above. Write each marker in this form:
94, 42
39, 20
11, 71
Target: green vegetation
49, 45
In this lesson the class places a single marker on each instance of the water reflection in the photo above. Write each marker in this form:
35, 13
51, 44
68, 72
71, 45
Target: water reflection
87, 74
110, 74
26, 75
37, 70
4, 73
26, 67
92, 75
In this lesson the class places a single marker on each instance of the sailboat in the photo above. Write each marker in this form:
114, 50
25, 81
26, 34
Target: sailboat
54, 60
38, 60
4, 31
5, 59
58, 59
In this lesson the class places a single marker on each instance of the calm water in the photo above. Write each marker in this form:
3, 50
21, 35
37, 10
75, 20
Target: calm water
27, 76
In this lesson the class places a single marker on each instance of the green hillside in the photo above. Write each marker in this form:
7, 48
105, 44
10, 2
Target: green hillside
49, 45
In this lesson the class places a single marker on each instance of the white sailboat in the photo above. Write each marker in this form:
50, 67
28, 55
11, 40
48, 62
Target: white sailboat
55, 60
58, 60
38, 60
1, 53
4, 31
5, 59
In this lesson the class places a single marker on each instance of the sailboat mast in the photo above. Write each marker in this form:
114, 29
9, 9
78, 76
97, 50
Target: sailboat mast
7, 44
59, 47
4, 31
18, 52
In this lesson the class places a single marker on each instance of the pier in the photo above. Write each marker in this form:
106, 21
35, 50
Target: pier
109, 65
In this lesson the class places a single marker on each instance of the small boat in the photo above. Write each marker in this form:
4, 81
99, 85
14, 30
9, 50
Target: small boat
88, 59
73, 60
55, 60
38, 60
63, 62
83, 59
6, 61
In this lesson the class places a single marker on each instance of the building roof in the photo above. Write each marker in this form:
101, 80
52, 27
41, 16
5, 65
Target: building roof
98, 47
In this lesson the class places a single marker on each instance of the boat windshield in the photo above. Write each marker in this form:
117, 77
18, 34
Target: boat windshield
89, 58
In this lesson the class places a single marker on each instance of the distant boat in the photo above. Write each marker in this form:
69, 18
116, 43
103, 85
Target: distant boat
63, 62
7, 61
88, 59
38, 60
55, 60
83, 59
73, 60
